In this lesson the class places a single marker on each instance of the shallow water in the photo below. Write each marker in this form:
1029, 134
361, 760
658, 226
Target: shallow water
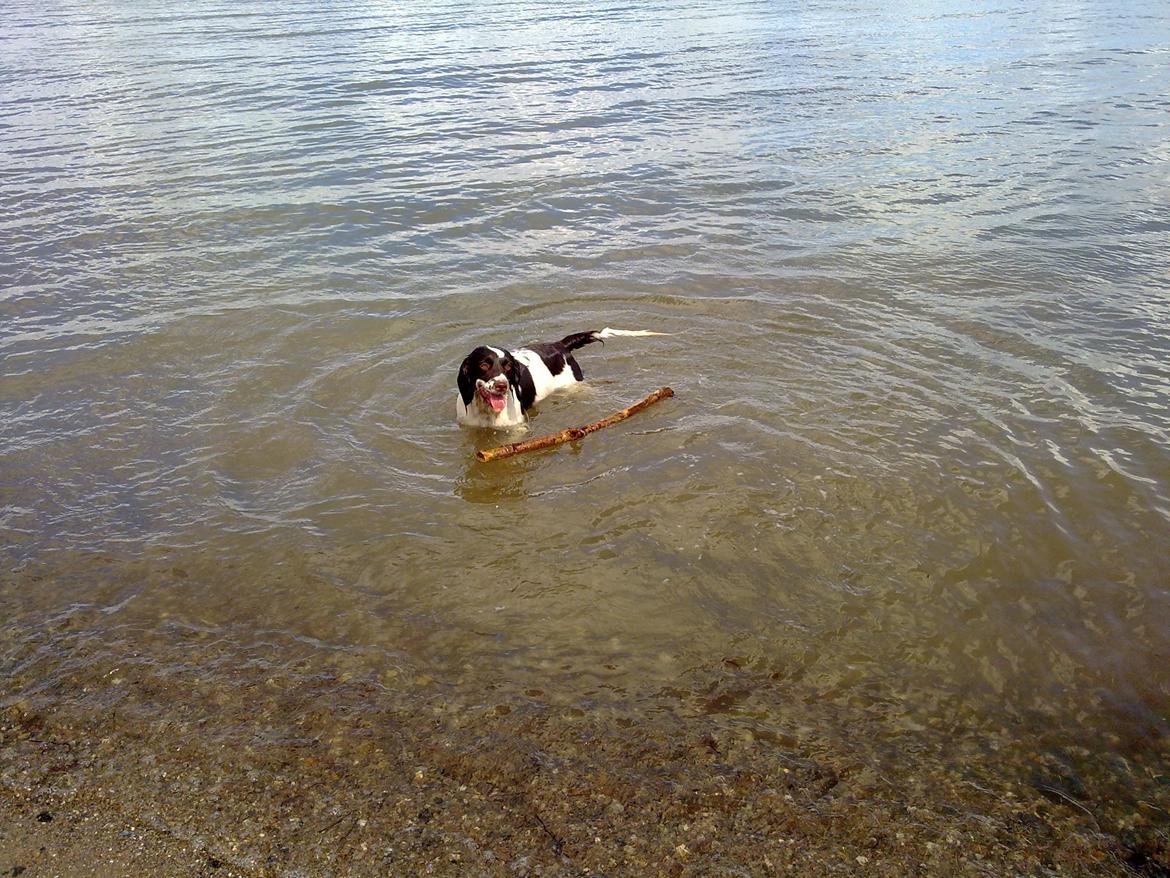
916, 476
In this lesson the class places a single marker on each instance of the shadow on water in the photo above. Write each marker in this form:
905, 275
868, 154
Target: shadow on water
494, 481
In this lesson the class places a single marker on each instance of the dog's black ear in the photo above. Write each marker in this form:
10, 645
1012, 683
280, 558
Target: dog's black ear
521, 379
466, 383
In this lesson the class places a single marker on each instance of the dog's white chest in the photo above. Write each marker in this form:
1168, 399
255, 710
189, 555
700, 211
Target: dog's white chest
475, 415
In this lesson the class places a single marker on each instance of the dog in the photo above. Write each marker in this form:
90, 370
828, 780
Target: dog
497, 387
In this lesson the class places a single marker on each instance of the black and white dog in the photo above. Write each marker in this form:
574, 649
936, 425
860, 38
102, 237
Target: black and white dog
498, 387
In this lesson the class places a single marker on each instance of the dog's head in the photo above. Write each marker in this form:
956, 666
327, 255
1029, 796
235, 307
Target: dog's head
485, 378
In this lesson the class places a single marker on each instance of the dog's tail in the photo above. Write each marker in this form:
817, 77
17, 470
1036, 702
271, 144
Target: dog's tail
580, 339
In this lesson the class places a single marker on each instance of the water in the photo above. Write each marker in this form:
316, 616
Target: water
913, 493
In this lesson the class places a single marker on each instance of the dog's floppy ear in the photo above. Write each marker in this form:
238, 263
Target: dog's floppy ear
521, 379
466, 383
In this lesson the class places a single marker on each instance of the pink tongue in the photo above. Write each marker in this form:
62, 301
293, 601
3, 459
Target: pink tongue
496, 402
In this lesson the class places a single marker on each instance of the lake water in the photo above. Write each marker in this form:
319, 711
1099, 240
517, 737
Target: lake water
912, 494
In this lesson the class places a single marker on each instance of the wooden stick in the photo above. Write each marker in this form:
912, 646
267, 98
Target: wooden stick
573, 433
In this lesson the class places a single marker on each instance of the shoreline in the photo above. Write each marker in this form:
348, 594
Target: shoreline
375, 789
159, 741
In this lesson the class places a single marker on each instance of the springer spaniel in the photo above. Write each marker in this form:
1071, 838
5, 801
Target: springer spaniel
498, 387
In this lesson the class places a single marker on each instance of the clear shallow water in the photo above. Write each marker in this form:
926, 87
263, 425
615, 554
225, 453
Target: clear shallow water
915, 478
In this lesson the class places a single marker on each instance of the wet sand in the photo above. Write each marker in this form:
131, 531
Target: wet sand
115, 766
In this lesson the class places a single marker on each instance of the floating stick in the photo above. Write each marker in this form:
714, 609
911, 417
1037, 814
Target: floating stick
573, 433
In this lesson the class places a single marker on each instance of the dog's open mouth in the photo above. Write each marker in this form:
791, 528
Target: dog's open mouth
497, 399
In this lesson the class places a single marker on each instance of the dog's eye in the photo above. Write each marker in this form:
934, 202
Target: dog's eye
485, 367
507, 367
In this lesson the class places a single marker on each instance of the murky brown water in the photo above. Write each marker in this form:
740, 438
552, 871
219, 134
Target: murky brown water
913, 493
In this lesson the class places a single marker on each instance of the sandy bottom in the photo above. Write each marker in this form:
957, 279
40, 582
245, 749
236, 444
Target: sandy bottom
132, 745
172, 779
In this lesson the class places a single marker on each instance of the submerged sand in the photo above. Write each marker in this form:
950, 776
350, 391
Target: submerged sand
148, 773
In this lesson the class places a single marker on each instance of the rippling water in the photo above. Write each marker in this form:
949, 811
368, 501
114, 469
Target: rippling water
914, 261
